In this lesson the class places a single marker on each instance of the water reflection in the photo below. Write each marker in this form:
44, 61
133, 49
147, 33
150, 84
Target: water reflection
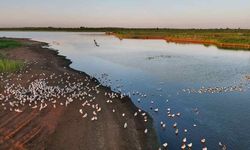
154, 73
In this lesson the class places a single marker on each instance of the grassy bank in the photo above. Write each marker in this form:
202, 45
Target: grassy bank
7, 65
6, 43
222, 38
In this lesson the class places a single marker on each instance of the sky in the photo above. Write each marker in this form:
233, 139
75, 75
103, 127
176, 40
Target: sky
126, 13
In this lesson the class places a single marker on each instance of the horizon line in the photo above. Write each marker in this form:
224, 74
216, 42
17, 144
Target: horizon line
115, 27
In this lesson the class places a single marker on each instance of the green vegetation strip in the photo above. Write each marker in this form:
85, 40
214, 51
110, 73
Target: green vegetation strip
239, 36
222, 38
7, 65
10, 65
6, 43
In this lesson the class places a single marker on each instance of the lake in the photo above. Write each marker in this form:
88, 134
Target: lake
203, 89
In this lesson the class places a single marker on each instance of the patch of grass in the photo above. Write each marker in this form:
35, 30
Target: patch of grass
223, 38
6, 43
10, 65
7, 65
239, 36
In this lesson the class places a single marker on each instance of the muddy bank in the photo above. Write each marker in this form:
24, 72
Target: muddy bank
59, 120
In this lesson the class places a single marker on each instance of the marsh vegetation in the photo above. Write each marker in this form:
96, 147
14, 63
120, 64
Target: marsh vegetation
222, 38
7, 65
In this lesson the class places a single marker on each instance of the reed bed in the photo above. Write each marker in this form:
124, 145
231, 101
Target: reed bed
10, 65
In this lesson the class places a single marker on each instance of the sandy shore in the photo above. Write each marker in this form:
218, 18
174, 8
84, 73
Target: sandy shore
61, 126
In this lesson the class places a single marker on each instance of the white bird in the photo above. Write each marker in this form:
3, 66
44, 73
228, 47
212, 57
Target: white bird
93, 118
146, 131
203, 140
204, 148
161, 122
223, 147
190, 145
81, 111
183, 146
125, 125
99, 109
175, 125
176, 131
85, 115
18, 110
184, 140
165, 145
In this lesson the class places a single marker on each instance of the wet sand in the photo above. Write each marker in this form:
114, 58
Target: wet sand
64, 127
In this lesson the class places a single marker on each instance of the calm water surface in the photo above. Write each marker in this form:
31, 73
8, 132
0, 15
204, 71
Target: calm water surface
161, 71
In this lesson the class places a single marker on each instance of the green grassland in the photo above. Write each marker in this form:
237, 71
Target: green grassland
241, 36
222, 38
6, 43
7, 65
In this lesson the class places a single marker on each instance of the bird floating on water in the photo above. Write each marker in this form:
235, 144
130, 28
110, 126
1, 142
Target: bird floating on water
183, 146
184, 140
165, 145
204, 148
203, 140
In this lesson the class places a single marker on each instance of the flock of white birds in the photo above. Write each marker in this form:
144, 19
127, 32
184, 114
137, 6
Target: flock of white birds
51, 90
202, 90
185, 144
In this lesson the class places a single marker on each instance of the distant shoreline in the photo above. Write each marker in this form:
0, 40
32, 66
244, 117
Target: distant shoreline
232, 46
236, 39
